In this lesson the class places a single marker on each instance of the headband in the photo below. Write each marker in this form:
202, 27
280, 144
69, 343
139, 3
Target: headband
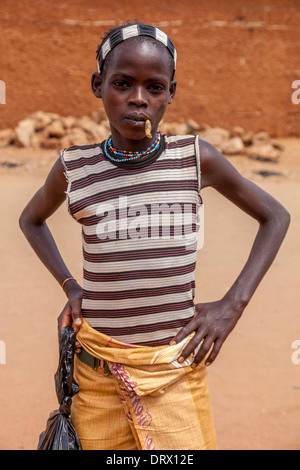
133, 31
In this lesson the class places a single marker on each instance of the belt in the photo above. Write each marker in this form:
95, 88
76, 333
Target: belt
93, 362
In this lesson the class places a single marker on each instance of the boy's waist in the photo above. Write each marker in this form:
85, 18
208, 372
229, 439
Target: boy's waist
93, 362
103, 347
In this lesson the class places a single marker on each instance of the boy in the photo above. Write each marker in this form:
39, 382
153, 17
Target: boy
142, 343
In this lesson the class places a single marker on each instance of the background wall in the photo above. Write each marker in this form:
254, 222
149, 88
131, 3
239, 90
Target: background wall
237, 59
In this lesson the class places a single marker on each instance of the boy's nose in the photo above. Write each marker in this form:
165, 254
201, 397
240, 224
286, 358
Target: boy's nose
138, 97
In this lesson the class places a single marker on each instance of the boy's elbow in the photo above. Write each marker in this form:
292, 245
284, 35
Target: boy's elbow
25, 221
287, 218
277, 217
283, 218
284, 214
22, 221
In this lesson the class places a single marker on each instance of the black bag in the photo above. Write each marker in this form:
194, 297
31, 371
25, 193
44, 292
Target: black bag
60, 433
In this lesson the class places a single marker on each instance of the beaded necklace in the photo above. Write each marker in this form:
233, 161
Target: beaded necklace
124, 155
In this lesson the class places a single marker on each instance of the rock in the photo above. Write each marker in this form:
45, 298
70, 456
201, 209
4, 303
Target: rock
203, 127
193, 126
7, 137
11, 164
84, 123
55, 129
263, 151
24, 132
54, 116
49, 130
36, 139
100, 133
261, 138
68, 122
41, 119
174, 128
266, 173
277, 145
78, 136
96, 132
50, 143
237, 131
99, 116
247, 138
233, 146
65, 142
216, 136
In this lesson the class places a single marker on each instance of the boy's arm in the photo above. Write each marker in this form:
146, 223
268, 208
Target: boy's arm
214, 321
33, 224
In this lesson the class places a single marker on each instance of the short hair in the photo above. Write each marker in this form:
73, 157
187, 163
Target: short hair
134, 31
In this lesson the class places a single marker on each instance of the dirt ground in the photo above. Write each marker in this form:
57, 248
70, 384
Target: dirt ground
255, 386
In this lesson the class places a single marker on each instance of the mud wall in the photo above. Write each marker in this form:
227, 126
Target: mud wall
237, 60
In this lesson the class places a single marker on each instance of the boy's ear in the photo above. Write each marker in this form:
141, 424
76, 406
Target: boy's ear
172, 91
96, 84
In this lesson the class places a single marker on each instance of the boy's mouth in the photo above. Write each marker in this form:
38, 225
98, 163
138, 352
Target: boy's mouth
138, 119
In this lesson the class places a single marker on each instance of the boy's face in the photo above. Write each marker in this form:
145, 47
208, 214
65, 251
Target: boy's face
136, 86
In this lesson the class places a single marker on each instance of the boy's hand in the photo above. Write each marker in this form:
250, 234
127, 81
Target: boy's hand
71, 314
212, 323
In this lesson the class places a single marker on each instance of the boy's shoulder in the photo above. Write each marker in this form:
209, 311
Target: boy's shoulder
209, 155
179, 141
80, 151
205, 149
179, 137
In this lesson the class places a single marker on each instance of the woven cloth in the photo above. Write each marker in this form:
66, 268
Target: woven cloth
150, 402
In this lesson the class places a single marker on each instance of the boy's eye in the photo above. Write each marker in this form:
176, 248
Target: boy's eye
121, 84
156, 87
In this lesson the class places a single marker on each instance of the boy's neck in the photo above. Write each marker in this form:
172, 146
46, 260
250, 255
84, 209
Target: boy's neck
133, 145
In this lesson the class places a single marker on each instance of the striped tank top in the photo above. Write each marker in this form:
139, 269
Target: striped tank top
140, 225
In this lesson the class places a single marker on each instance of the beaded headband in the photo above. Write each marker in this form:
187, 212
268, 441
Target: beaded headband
133, 31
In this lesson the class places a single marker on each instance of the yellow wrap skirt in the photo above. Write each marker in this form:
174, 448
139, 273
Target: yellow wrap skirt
150, 401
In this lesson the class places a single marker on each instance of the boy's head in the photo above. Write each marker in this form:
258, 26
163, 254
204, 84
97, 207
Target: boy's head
135, 79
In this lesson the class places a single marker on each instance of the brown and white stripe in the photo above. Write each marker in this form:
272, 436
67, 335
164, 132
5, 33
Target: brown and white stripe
138, 265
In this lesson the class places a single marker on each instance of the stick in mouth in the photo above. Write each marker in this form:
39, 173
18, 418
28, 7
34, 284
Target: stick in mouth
148, 128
